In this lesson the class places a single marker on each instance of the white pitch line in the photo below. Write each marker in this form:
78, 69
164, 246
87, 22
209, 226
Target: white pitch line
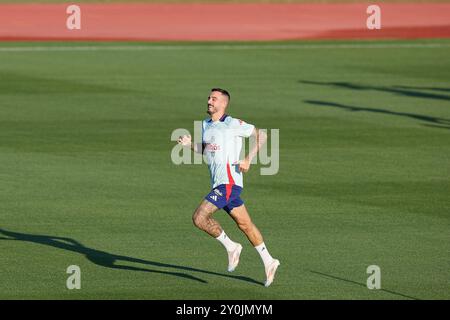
224, 47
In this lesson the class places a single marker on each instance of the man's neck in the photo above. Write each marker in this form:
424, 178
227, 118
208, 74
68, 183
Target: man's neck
217, 116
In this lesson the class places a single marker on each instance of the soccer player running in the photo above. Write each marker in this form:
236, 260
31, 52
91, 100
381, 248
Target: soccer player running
221, 144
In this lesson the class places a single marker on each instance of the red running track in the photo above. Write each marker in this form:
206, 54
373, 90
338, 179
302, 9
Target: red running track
222, 22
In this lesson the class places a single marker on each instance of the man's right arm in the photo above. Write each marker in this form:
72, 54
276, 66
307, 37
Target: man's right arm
197, 147
186, 141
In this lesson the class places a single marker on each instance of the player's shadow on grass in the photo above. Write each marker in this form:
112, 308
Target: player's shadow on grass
399, 90
445, 90
109, 260
435, 122
362, 284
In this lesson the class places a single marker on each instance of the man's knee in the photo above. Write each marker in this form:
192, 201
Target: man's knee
245, 225
199, 218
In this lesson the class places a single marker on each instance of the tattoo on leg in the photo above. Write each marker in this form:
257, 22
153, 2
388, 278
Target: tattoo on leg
212, 227
204, 221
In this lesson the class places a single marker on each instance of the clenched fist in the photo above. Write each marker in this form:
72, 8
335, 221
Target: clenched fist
185, 140
244, 165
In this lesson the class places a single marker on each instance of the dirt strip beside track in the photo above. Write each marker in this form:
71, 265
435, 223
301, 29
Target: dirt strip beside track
222, 22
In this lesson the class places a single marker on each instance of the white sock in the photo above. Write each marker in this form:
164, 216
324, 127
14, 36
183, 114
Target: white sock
227, 242
264, 253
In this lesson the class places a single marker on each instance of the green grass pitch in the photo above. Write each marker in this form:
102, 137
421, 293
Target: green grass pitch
86, 177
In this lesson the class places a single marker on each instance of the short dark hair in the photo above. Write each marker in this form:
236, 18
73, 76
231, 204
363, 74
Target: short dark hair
222, 91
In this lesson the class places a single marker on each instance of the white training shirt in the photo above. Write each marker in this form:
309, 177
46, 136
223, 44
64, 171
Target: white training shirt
222, 141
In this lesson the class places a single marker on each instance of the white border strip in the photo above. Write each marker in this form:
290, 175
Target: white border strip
150, 47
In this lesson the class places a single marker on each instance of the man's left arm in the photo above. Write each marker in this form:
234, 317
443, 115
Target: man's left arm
261, 138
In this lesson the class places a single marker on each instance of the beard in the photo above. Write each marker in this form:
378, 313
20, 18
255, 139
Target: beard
210, 111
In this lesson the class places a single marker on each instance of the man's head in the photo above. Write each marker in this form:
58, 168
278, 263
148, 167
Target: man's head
218, 101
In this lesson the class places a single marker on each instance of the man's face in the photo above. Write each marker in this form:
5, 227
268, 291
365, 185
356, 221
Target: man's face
217, 102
